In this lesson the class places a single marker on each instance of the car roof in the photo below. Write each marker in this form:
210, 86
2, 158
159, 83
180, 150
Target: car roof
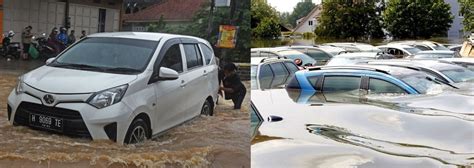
402, 46
466, 60
275, 49
391, 70
258, 60
433, 64
325, 48
145, 36
358, 54
436, 52
411, 42
361, 46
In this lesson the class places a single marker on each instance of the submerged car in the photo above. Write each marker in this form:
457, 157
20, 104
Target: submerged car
464, 62
445, 72
126, 87
369, 79
357, 57
267, 73
322, 54
399, 51
294, 55
423, 45
354, 47
434, 54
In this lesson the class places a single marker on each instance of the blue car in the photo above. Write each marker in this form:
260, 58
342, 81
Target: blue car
369, 79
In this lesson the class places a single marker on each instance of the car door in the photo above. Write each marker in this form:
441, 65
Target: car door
211, 70
193, 82
169, 93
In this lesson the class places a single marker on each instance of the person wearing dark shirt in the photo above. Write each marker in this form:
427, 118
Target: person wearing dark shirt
234, 89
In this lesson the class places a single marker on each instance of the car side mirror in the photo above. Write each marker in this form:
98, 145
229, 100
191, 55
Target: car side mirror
49, 60
167, 74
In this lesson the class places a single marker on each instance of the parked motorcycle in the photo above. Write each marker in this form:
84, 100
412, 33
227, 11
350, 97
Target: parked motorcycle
10, 49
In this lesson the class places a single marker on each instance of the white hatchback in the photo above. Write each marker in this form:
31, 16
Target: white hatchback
126, 87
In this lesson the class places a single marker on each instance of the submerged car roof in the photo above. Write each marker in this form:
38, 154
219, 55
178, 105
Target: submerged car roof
145, 36
434, 64
392, 70
435, 52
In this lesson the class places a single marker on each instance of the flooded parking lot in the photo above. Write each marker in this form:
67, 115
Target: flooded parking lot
218, 141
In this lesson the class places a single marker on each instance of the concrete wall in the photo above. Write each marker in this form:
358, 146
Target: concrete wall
43, 15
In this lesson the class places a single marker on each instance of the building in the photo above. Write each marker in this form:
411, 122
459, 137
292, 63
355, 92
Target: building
173, 12
309, 22
455, 31
89, 15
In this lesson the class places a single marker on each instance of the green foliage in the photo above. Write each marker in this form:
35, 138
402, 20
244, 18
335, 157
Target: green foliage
199, 27
157, 27
349, 20
417, 18
301, 10
467, 9
265, 22
284, 19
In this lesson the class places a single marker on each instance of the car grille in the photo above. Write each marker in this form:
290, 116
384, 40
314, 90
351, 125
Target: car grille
73, 124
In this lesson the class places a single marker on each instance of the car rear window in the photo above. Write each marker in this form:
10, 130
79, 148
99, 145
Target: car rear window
291, 67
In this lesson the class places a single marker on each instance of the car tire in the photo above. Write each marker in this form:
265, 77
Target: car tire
207, 108
137, 132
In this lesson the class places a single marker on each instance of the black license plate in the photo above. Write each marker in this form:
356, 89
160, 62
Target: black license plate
46, 122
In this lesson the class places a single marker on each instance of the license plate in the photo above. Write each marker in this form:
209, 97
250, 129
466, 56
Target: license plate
46, 122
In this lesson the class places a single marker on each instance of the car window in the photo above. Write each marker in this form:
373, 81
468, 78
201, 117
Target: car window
318, 55
173, 59
291, 67
422, 48
341, 83
313, 80
459, 75
279, 69
378, 86
193, 57
208, 53
265, 71
280, 74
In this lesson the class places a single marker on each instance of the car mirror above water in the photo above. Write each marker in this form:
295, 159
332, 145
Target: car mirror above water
167, 74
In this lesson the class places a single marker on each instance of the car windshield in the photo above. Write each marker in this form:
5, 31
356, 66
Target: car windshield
420, 83
440, 47
112, 55
459, 75
307, 60
412, 50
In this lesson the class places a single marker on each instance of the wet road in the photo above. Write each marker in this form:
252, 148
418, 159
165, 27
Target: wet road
218, 141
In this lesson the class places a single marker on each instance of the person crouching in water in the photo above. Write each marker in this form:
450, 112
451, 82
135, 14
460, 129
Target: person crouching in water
233, 87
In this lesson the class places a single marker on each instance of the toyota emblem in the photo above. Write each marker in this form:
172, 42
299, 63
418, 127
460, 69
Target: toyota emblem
48, 99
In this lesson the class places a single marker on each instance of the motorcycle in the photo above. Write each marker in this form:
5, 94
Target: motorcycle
11, 50
44, 48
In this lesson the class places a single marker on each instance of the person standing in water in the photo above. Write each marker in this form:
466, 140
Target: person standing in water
233, 87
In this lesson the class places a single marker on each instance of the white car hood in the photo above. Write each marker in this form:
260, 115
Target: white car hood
62, 80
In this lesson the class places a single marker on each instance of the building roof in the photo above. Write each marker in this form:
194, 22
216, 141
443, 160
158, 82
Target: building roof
171, 10
316, 10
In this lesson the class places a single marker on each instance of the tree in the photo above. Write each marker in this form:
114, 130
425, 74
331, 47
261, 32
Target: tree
467, 10
284, 18
349, 20
300, 10
417, 18
221, 16
157, 27
265, 22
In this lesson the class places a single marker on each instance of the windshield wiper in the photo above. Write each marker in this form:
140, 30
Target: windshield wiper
79, 66
122, 69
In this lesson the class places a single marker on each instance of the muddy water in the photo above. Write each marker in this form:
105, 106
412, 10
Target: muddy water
218, 141
379, 131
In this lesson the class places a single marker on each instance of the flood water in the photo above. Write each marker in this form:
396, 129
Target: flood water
218, 141
347, 130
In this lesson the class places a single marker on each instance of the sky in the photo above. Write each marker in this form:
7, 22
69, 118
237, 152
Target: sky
286, 5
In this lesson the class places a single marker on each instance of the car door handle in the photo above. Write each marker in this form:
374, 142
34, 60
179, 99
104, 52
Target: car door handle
205, 73
183, 83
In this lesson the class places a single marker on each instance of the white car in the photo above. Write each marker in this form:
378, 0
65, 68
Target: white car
126, 87
399, 50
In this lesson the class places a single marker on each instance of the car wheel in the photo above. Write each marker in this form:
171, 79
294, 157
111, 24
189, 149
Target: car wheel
207, 108
137, 132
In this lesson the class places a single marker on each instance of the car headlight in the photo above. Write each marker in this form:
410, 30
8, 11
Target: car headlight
19, 86
107, 97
